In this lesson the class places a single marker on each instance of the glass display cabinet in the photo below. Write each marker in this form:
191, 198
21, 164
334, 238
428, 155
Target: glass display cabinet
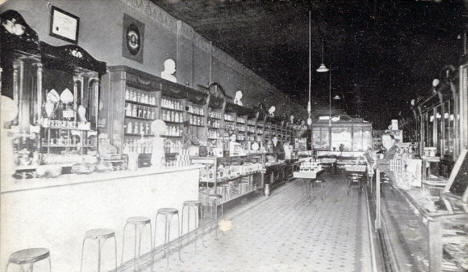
56, 91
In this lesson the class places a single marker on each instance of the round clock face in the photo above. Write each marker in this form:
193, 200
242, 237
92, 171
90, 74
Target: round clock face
133, 39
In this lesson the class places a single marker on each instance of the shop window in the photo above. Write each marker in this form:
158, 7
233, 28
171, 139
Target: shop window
320, 138
341, 139
366, 138
428, 128
357, 139
449, 129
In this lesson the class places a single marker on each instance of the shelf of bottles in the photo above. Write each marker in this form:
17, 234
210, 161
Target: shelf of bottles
240, 124
214, 134
196, 115
138, 145
229, 122
140, 111
172, 113
260, 128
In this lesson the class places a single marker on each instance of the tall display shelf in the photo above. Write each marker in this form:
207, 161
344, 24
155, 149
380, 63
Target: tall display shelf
133, 102
135, 99
215, 123
250, 128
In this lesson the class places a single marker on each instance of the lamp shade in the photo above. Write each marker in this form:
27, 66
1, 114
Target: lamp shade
322, 68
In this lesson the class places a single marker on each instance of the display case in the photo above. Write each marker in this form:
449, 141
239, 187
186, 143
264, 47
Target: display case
422, 228
56, 91
232, 177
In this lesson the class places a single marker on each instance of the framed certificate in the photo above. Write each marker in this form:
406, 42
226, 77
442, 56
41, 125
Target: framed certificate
64, 25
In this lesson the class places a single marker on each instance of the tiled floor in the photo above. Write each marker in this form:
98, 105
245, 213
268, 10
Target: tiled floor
287, 232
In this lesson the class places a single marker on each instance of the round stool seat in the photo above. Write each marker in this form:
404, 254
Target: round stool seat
138, 220
215, 196
192, 203
99, 234
28, 256
168, 211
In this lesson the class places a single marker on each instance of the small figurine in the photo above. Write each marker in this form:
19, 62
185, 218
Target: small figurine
169, 70
237, 99
271, 111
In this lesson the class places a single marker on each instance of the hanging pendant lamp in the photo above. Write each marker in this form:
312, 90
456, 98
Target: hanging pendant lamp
309, 106
322, 68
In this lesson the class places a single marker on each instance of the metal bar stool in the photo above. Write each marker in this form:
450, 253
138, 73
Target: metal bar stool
29, 257
167, 213
101, 235
137, 222
215, 200
191, 205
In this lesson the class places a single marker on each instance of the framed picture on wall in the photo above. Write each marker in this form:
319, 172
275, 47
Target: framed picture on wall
133, 38
64, 25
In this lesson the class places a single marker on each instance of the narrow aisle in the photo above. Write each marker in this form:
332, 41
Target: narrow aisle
287, 232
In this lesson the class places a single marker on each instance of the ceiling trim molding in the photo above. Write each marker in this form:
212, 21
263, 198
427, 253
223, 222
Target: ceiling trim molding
154, 12
162, 17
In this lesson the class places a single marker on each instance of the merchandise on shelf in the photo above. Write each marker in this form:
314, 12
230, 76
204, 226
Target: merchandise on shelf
171, 104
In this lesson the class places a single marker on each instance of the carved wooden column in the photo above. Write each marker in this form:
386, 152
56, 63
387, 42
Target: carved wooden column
39, 91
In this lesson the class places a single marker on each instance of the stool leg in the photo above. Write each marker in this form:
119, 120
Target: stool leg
188, 220
151, 244
140, 233
8, 264
216, 217
182, 222
123, 242
50, 264
135, 247
179, 233
82, 252
167, 237
99, 255
196, 210
222, 210
115, 251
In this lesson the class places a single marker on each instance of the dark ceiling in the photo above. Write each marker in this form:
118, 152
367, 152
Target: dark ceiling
382, 53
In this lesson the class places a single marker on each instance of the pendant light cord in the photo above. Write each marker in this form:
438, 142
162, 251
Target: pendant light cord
310, 67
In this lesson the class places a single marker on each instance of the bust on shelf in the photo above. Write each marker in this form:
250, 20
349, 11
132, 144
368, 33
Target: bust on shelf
169, 70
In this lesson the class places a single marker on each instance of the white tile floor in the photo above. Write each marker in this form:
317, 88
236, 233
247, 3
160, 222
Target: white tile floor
287, 232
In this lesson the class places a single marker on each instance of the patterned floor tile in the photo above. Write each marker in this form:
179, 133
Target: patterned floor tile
287, 231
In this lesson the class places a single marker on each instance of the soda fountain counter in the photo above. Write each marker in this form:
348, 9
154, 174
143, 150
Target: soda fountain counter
55, 212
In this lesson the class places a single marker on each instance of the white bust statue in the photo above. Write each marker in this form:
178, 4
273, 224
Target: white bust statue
169, 70
237, 99
271, 111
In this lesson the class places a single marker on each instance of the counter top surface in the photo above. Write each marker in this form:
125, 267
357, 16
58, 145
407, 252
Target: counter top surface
9, 184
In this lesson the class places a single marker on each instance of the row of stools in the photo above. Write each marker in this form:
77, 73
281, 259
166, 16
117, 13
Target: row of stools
26, 258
